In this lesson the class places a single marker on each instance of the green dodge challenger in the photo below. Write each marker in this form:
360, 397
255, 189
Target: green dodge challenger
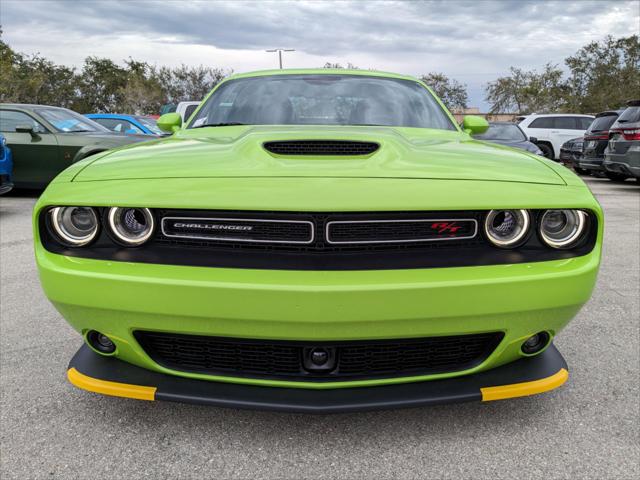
318, 241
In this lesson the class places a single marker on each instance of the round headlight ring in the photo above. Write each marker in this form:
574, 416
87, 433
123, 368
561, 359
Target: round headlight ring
74, 226
131, 226
507, 228
563, 228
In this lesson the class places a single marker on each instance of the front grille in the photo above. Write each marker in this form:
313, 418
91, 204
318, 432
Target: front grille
399, 231
225, 229
321, 147
285, 360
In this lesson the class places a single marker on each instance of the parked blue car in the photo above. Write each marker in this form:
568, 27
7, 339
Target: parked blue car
6, 166
130, 124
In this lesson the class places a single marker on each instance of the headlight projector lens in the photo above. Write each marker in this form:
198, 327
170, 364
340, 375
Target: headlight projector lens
75, 226
507, 228
131, 226
562, 228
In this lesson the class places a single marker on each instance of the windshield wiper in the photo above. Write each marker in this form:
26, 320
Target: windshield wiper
228, 124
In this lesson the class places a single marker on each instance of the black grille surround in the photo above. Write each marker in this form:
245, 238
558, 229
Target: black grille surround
320, 254
321, 147
283, 360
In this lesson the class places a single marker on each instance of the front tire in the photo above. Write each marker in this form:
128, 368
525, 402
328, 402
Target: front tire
547, 150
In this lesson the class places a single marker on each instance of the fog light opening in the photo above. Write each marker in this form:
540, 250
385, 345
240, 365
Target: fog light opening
535, 343
100, 342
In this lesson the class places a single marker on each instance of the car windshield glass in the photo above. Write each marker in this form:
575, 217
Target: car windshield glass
322, 100
602, 123
630, 115
67, 121
151, 124
502, 132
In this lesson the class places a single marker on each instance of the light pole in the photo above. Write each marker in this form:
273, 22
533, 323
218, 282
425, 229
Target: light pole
280, 50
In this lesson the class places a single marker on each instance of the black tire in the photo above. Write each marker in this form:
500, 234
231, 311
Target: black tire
582, 171
547, 150
616, 177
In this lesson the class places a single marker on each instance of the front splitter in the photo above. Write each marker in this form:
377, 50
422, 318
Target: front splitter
110, 376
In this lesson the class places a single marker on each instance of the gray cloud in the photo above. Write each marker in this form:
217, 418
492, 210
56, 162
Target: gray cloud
473, 40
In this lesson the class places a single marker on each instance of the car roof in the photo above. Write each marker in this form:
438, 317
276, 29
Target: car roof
536, 115
29, 106
609, 113
110, 115
321, 71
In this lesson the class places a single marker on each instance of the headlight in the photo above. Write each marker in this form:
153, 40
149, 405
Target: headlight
131, 226
74, 226
506, 228
562, 228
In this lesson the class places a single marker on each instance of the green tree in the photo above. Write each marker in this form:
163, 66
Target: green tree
528, 91
100, 86
452, 93
187, 83
604, 75
142, 93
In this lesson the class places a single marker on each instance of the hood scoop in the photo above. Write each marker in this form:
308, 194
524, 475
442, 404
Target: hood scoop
321, 147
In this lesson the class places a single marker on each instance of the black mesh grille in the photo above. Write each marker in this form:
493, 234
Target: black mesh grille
347, 232
354, 360
321, 147
400, 230
238, 230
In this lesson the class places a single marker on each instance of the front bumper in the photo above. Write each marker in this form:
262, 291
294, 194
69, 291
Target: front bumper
109, 376
118, 298
593, 164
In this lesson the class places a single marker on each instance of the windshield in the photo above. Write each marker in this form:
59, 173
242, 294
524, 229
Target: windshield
507, 132
151, 124
322, 100
602, 124
68, 121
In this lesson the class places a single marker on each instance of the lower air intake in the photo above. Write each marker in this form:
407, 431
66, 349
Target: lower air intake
286, 360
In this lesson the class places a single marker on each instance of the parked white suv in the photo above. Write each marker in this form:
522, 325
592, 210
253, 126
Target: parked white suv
185, 109
550, 131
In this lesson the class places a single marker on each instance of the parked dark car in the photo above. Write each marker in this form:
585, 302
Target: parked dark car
6, 166
46, 140
571, 154
596, 139
622, 155
509, 134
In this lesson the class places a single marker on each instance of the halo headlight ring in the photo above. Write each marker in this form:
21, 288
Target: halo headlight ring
512, 230
130, 226
74, 230
569, 233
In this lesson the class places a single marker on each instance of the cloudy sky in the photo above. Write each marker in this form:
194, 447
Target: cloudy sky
472, 41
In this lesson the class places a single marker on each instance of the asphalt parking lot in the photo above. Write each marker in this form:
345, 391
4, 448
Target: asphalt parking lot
587, 429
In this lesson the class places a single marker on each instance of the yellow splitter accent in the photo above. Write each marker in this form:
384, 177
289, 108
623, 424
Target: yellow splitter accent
106, 387
525, 388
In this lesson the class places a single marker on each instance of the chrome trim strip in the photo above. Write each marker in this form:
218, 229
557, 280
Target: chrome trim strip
475, 230
230, 239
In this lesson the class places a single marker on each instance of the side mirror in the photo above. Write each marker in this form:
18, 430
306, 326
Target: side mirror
170, 122
533, 139
26, 129
474, 125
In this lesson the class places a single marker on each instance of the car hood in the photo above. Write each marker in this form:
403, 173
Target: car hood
108, 137
238, 151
